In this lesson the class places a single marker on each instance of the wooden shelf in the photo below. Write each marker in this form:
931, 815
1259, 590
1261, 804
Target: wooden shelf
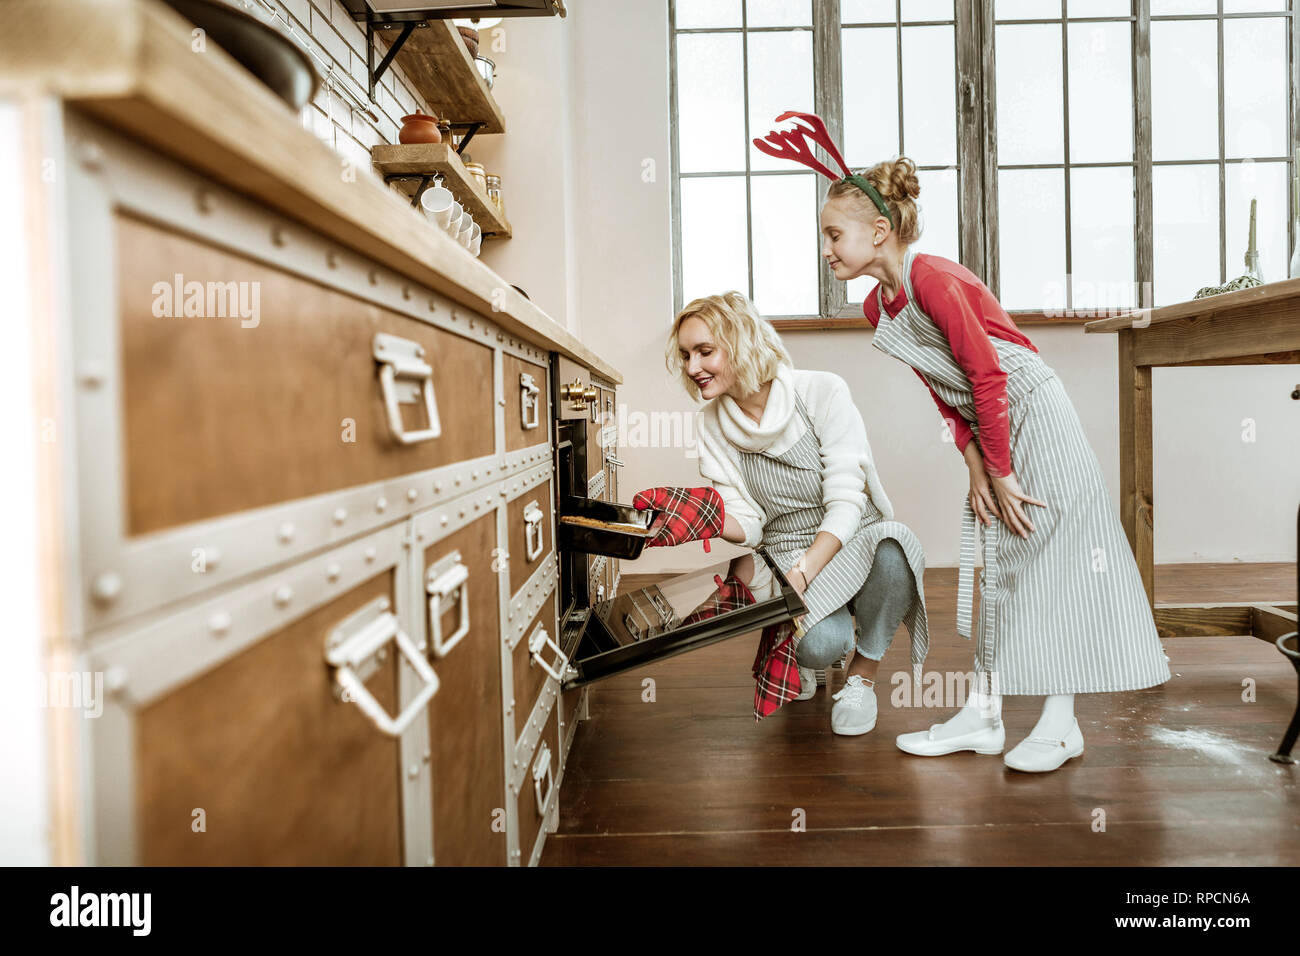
428, 158
438, 63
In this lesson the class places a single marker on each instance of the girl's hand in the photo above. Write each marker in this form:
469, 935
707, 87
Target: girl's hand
981, 495
797, 580
1010, 494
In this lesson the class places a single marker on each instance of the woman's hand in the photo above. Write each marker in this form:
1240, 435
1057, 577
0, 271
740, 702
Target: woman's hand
797, 580
1009, 493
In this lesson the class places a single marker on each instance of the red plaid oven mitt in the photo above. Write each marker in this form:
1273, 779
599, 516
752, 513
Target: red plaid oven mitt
687, 514
775, 670
730, 595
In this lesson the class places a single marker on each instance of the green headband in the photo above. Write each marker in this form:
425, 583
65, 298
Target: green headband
862, 183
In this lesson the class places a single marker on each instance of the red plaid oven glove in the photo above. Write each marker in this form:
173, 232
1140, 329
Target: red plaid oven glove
687, 514
730, 595
775, 670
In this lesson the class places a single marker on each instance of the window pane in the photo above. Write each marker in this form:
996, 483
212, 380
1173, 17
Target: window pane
1031, 238
710, 102
868, 11
937, 206
927, 10
870, 56
778, 13
1101, 239
703, 14
1027, 9
1162, 7
780, 79
929, 95
1184, 90
1253, 6
1185, 201
1031, 126
1265, 182
1101, 92
785, 244
1254, 87
1100, 8
714, 251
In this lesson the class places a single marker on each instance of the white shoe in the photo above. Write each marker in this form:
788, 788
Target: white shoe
1038, 754
807, 683
855, 708
986, 740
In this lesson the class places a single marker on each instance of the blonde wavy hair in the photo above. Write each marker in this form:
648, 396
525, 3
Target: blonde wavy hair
754, 349
898, 185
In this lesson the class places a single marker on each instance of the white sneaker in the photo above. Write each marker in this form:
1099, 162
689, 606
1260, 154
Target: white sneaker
923, 743
1039, 754
855, 708
807, 683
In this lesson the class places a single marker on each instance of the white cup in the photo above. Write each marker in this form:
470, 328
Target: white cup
453, 221
476, 232
467, 226
476, 244
437, 203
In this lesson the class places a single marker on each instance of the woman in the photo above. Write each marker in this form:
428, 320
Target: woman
787, 452
1063, 610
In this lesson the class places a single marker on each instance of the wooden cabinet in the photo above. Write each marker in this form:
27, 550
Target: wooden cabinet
317, 531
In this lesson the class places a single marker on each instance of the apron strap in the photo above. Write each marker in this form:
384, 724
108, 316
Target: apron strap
965, 583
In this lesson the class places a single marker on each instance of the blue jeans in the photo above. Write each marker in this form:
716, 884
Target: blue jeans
879, 608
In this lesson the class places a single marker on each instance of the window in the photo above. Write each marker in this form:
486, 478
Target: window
1070, 152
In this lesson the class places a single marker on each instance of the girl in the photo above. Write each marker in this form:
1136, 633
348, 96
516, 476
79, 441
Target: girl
1062, 609
787, 452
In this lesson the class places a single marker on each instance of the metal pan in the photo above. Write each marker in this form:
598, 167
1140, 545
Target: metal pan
600, 527
260, 48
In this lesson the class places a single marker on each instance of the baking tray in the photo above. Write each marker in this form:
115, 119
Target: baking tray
609, 541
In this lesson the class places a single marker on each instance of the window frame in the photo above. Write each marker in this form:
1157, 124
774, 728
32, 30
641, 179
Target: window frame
975, 72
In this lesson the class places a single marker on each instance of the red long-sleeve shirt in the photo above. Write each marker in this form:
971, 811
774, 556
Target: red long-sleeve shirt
967, 313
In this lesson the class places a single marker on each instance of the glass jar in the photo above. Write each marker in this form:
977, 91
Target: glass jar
494, 193
477, 174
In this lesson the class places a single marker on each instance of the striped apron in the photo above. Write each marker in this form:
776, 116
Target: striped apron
1064, 610
788, 487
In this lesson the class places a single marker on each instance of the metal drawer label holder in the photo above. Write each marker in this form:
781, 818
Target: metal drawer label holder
355, 648
448, 579
530, 406
533, 516
538, 641
399, 359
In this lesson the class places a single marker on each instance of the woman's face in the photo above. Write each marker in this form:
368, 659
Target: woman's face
705, 361
847, 241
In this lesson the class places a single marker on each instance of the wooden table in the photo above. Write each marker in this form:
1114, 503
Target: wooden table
1257, 326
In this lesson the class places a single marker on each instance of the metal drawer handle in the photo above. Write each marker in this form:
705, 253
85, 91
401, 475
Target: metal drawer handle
445, 582
349, 651
533, 516
528, 401
542, 771
539, 641
400, 358
614, 462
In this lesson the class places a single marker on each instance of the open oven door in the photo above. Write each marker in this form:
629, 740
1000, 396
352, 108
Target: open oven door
681, 614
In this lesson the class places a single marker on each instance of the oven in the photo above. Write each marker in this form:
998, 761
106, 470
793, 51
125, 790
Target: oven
602, 636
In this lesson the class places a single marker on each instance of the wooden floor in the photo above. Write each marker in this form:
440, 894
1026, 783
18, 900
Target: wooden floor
1178, 774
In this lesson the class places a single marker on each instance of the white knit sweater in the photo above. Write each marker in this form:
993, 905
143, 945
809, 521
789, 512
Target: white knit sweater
848, 470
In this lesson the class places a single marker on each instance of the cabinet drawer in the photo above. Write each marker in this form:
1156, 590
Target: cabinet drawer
527, 396
530, 541
530, 676
465, 717
220, 418
230, 739
539, 791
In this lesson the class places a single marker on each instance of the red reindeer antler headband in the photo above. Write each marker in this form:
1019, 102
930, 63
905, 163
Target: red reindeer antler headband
793, 144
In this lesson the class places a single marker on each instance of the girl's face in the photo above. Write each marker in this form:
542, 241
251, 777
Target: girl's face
848, 242
705, 361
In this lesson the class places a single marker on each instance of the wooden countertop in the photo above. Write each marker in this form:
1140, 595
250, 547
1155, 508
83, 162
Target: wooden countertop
129, 64
1284, 293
